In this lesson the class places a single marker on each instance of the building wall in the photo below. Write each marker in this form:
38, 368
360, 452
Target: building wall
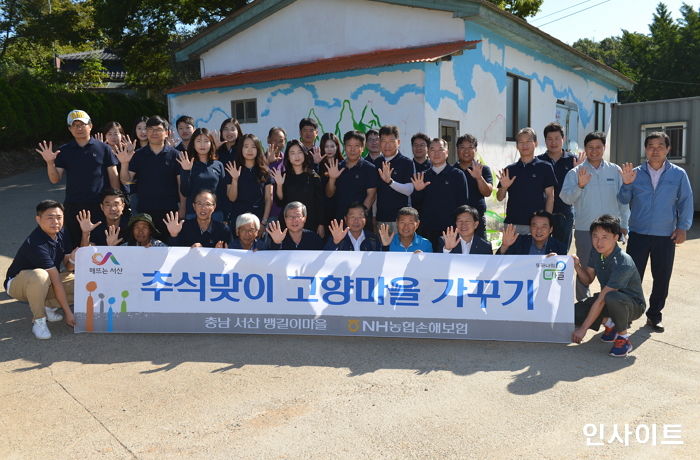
308, 30
341, 102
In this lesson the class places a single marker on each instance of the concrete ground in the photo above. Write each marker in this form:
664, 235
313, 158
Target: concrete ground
246, 396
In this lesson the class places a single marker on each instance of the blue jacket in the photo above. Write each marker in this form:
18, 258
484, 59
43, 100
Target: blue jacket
479, 246
370, 243
659, 212
521, 247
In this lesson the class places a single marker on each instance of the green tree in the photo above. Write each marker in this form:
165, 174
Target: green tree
520, 8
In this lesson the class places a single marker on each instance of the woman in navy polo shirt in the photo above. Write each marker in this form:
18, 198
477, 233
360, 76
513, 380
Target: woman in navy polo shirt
250, 184
200, 170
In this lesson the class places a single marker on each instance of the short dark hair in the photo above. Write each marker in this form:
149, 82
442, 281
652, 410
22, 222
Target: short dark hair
465, 208
276, 128
307, 122
467, 138
206, 190
356, 205
608, 223
372, 132
389, 130
439, 140
543, 213
553, 127
658, 135
155, 120
354, 134
113, 124
408, 211
188, 120
527, 131
422, 136
112, 192
46, 205
593, 136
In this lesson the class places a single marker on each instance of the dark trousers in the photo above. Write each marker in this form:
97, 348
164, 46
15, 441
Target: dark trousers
70, 219
619, 307
563, 228
661, 250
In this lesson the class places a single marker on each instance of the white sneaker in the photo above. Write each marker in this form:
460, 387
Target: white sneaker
41, 329
53, 314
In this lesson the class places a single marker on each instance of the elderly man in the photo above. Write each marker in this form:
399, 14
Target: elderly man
538, 242
405, 239
661, 212
34, 275
295, 236
353, 237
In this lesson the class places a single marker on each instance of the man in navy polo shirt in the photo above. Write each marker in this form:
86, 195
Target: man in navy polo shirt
89, 166
34, 275
156, 170
395, 170
479, 178
419, 146
562, 162
529, 184
439, 191
114, 211
354, 179
185, 129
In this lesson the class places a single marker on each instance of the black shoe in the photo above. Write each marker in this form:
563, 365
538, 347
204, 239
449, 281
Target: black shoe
656, 327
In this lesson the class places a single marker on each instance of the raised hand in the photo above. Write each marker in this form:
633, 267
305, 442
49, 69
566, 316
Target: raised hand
337, 230
584, 177
99, 136
385, 172
628, 173
217, 138
580, 158
221, 245
451, 237
171, 140
316, 154
275, 232
384, 234
112, 236
130, 145
509, 237
418, 181
273, 153
505, 179
278, 176
234, 170
332, 170
124, 152
173, 223
86, 226
476, 170
185, 161
46, 151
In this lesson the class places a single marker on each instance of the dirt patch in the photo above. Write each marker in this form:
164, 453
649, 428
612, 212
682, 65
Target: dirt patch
19, 161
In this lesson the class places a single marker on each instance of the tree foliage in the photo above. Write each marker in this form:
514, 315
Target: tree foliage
520, 8
664, 63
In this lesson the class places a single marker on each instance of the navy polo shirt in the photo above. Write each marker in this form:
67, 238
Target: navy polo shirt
476, 199
421, 167
203, 176
156, 176
561, 167
86, 169
438, 201
526, 194
39, 250
352, 185
191, 234
310, 241
389, 201
98, 237
251, 193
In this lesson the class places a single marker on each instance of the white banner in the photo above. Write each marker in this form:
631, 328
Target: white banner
133, 289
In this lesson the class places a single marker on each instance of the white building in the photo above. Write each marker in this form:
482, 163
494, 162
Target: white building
445, 68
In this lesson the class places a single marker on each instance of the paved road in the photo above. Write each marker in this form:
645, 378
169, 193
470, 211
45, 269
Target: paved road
245, 396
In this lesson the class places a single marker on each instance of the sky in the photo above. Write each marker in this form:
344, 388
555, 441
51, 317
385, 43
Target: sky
600, 18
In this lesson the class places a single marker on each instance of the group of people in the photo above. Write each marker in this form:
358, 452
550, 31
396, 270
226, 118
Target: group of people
223, 189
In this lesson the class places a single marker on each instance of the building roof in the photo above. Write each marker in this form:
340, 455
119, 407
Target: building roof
103, 55
378, 58
478, 11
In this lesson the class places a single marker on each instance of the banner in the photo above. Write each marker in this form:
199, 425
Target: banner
386, 294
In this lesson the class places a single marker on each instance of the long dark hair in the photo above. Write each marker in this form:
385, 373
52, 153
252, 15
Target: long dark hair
262, 171
192, 153
239, 139
307, 166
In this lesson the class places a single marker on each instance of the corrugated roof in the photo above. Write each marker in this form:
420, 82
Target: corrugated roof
378, 58
103, 54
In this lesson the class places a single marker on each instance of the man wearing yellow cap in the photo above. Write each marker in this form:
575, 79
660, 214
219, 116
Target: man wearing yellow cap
89, 166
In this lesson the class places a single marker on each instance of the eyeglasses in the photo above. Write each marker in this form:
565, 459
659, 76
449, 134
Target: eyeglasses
204, 205
155, 130
296, 217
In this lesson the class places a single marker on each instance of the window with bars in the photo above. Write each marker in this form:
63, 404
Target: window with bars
676, 132
245, 110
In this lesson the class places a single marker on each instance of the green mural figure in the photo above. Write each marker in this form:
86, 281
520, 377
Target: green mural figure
360, 125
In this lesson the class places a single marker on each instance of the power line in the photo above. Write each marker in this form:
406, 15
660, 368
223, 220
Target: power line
563, 9
576, 12
676, 82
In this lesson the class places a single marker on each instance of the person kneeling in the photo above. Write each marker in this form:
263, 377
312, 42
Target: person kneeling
353, 237
539, 242
462, 238
295, 236
406, 239
34, 275
621, 299
141, 232
202, 231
